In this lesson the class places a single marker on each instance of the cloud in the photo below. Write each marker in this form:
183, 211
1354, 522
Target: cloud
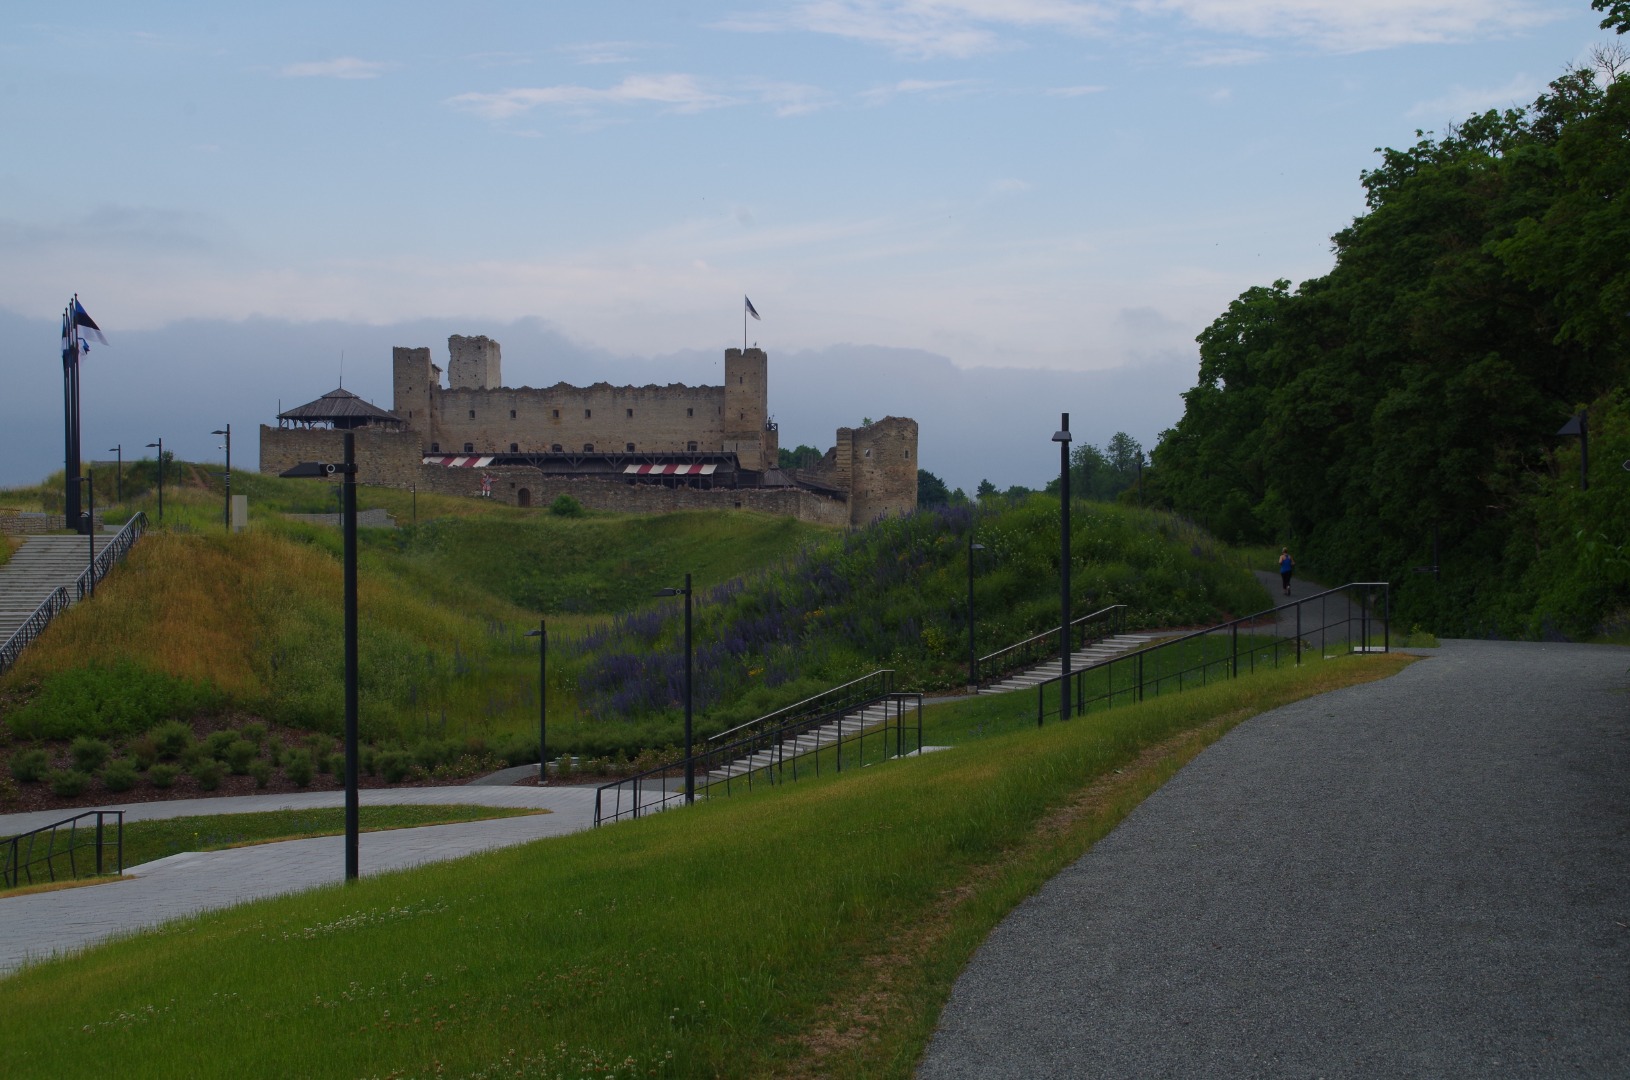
602, 52
343, 67
1226, 57
790, 99
939, 88
680, 93
922, 29
1461, 101
1075, 91
1349, 26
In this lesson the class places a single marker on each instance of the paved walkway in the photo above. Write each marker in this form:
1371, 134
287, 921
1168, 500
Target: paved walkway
1424, 876
191, 882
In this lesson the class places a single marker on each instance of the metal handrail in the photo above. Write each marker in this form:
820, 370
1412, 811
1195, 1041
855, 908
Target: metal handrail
14, 866
114, 550
1136, 686
650, 791
1116, 614
887, 675
32, 627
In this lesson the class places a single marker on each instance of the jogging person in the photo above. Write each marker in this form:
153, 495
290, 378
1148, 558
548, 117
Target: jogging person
1286, 566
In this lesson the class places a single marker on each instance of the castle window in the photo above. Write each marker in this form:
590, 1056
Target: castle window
588, 448
410, 414
744, 416
472, 414
588, 413
555, 449
740, 380
469, 448
435, 448
688, 412
690, 446
868, 453
629, 447
512, 414
514, 448
631, 414
556, 414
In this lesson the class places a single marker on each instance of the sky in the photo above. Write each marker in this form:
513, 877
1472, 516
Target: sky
978, 213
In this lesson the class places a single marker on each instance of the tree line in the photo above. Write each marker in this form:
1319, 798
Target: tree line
1410, 401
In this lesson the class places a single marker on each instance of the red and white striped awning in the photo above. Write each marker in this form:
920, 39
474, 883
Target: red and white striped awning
669, 470
459, 461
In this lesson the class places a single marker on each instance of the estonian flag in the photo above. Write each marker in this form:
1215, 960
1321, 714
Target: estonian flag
750, 309
83, 320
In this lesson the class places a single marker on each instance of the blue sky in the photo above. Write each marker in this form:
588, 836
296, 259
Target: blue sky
1053, 185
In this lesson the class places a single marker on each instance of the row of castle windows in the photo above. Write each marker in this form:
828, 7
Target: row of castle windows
588, 414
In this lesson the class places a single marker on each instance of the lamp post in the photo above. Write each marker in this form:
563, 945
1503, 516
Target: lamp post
690, 764
119, 477
1579, 424
160, 445
973, 664
348, 518
1062, 437
228, 434
542, 634
90, 529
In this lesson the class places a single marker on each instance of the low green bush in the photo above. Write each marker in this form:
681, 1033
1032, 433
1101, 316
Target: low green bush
336, 764
297, 766
566, 506
171, 739
208, 773
217, 743
68, 783
144, 750
394, 765
240, 755
88, 753
30, 766
261, 770
121, 774
162, 775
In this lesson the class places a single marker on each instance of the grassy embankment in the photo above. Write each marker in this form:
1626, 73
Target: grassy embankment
813, 930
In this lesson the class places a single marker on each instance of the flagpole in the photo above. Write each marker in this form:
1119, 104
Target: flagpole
70, 421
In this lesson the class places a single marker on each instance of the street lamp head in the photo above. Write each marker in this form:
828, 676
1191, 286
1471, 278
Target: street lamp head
1061, 436
976, 547
218, 431
153, 444
533, 633
671, 592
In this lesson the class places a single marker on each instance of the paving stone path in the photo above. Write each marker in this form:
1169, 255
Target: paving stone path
40, 924
1424, 876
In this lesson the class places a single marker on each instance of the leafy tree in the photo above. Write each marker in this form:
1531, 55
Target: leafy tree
1618, 14
800, 457
931, 490
985, 490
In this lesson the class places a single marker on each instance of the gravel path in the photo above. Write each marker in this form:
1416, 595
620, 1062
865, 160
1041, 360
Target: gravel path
1424, 876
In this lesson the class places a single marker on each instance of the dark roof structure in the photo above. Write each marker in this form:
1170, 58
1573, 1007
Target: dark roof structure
341, 409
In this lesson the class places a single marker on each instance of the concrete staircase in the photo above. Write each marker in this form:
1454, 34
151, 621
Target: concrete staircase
1094, 654
43, 565
846, 727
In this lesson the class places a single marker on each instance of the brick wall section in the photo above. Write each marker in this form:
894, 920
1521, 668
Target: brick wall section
385, 457
474, 363
656, 419
29, 524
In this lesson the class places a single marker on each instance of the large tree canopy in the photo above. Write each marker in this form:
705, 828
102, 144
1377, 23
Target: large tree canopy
1482, 299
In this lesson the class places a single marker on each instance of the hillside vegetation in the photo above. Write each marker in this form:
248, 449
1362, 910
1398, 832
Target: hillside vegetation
1481, 301
248, 627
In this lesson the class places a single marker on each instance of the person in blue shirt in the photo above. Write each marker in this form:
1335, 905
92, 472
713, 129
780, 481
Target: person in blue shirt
1286, 565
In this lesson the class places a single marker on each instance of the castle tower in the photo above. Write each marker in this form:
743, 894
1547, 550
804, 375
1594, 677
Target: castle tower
746, 409
415, 381
473, 363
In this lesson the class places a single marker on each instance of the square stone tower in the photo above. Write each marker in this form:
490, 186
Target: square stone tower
473, 363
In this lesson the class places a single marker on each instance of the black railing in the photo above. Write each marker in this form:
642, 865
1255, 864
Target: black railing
32, 628
1087, 630
114, 550
1342, 619
859, 734
839, 698
39, 855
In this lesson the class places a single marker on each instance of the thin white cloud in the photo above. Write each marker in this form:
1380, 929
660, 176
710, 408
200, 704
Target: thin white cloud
1226, 57
926, 28
1462, 101
679, 93
1075, 91
790, 99
602, 52
938, 88
343, 67
1360, 25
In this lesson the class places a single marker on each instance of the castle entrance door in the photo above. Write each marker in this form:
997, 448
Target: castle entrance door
523, 497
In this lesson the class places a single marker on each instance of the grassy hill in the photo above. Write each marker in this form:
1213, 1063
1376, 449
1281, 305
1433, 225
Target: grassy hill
220, 631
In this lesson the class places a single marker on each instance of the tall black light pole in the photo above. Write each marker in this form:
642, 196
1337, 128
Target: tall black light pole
160, 445
973, 664
228, 434
542, 634
1062, 437
90, 528
690, 764
348, 519
1579, 424
119, 477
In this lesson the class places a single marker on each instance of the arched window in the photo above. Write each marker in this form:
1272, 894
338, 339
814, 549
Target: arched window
469, 448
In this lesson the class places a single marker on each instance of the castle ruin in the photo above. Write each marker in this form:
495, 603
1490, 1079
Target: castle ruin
632, 448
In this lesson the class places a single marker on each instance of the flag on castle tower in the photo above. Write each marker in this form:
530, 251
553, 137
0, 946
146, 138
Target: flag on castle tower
751, 310
81, 319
